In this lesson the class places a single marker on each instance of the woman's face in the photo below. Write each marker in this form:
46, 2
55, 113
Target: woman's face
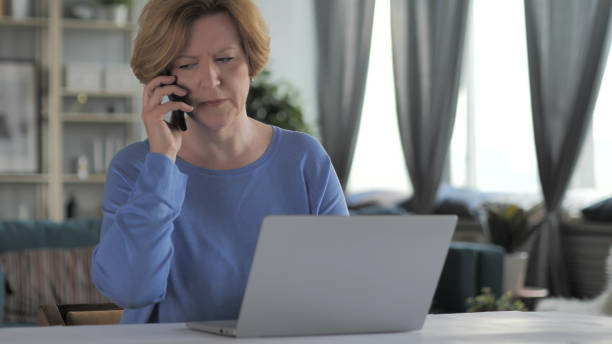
214, 69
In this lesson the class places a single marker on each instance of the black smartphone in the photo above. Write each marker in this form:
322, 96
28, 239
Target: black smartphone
177, 118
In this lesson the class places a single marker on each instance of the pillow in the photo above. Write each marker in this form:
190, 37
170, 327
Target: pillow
600, 211
44, 277
445, 206
455, 207
379, 198
20, 235
377, 210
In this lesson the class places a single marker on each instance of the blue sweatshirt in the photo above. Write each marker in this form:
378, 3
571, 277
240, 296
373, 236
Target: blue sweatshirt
177, 241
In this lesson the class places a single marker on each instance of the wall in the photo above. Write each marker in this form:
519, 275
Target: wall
293, 49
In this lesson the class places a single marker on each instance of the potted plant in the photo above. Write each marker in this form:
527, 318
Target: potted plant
486, 302
275, 103
19, 9
509, 226
118, 10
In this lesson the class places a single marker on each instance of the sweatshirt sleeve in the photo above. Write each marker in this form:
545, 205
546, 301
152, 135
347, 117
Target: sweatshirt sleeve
325, 192
130, 264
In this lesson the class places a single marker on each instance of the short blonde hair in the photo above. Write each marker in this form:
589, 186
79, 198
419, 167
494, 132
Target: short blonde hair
164, 30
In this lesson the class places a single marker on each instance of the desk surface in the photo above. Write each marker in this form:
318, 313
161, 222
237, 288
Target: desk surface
493, 327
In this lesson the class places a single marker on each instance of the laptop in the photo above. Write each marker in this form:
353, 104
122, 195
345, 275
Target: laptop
322, 275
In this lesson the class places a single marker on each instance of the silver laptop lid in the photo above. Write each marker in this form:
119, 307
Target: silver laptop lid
336, 274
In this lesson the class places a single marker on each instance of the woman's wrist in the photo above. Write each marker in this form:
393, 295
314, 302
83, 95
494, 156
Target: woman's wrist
170, 154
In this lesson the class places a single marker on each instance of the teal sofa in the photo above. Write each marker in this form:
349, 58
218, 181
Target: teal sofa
16, 236
468, 268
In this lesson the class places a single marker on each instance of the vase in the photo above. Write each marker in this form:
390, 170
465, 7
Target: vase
120, 14
515, 267
20, 9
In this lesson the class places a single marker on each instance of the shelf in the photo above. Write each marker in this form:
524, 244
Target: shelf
96, 25
102, 25
100, 117
28, 22
72, 116
99, 94
25, 178
91, 179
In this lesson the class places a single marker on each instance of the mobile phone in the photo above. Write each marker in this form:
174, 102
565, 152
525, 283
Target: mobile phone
177, 118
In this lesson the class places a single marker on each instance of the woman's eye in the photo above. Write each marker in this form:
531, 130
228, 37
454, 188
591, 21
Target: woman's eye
224, 59
186, 66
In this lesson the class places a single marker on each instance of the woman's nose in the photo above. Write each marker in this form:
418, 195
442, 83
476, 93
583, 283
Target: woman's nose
209, 76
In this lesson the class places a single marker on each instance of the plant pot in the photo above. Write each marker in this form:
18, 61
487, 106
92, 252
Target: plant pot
119, 14
515, 267
20, 9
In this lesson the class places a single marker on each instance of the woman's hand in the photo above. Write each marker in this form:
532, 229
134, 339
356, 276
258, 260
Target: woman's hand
162, 138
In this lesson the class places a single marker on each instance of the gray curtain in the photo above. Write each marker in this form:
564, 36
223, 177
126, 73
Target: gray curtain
428, 37
567, 47
344, 30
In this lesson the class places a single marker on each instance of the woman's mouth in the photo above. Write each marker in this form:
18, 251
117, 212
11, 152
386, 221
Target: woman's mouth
213, 103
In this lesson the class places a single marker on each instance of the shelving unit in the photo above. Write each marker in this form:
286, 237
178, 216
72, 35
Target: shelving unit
96, 25
91, 179
68, 117
99, 94
34, 178
99, 117
29, 22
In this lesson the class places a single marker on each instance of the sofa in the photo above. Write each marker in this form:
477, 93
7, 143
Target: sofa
468, 268
586, 245
472, 262
44, 262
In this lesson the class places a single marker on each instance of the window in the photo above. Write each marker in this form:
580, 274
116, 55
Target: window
592, 177
602, 140
492, 148
378, 163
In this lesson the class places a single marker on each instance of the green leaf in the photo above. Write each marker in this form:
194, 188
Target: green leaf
275, 103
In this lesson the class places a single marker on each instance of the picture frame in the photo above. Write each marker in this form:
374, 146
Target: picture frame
19, 116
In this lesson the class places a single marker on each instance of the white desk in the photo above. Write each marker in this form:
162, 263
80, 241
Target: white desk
494, 327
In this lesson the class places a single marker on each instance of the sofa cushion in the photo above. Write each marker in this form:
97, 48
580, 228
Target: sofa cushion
600, 211
468, 268
378, 210
47, 276
20, 235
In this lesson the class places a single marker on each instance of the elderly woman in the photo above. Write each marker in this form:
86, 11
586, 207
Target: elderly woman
182, 209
